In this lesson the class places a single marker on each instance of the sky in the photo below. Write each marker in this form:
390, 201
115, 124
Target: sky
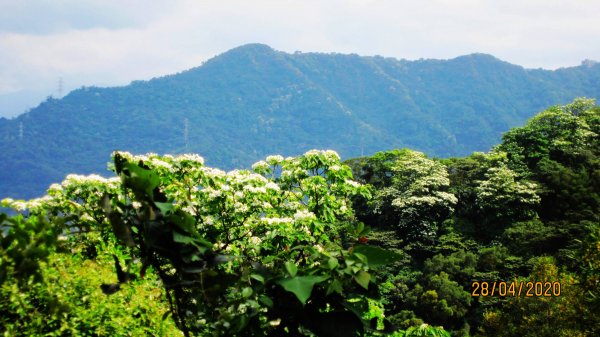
114, 42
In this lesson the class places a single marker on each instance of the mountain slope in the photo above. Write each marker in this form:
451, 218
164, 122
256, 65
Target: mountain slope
253, 101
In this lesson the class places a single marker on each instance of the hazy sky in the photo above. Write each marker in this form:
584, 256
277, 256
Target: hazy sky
112, 42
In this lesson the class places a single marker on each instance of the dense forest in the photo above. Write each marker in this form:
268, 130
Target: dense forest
253, 101
503, 243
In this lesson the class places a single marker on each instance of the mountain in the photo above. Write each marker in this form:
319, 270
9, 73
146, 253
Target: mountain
253, 101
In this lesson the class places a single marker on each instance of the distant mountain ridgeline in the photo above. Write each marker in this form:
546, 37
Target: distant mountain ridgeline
253, 101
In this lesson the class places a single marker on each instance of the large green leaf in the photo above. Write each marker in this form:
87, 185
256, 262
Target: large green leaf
183, 221
201, 244
165, 207
363, 279
141, 179
377, 256
290, 266
301, 286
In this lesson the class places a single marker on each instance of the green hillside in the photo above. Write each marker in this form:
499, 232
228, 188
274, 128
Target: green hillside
253, 101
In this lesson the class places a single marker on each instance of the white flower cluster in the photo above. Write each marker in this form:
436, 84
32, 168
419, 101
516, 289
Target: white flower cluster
158, 163
277, 221
293, 173
438, 198
22, 205
274, 160
304, 215
330, 154
76, 179
18, 205
55, 188
190, 157
242, 177
272, 186
212, 193
254, 240
353, 183
164, 161
260, 166
240, 208
257, 190
213, 172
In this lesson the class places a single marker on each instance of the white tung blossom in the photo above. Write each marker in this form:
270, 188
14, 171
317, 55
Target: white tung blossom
190, 157
301, 215
161, 164
332, 155
212, 193
352, 183
252, 189
276, 221
261, 165
55, 188
272, 186
240, 208
254, 240
213, 172
274, 160
76, 179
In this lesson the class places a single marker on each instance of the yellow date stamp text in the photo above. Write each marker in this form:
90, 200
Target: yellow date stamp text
515, 289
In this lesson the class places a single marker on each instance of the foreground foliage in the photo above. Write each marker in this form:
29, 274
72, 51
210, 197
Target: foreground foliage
284, 250
275, 251
49, 290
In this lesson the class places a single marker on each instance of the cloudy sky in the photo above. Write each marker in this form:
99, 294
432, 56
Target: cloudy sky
113, 42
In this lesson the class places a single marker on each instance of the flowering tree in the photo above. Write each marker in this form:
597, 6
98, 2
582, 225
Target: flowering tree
503, 194
269, 251
417, 199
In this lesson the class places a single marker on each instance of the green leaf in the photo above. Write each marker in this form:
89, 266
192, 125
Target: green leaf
332, 263
141, 179
183, 221
258, 277
202, 245
360, 227
377, 256
291, 268
301, 286
182, 238
165, 207
336, 286
363, 279
247, 292
361, 257
266, 300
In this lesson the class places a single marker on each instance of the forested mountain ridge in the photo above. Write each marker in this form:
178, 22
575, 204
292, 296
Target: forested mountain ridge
252, 101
